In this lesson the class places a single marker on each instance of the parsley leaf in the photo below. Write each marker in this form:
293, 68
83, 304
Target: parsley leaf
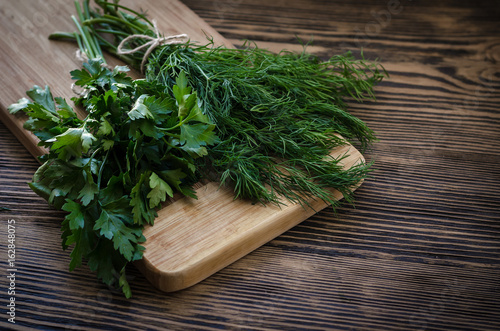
114, 223
73, 142
159, 190
140, 110
23, 103
112, 170
75, 218
194, 137
43, 97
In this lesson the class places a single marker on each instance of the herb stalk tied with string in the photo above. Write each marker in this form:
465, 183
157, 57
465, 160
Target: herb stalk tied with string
278, 115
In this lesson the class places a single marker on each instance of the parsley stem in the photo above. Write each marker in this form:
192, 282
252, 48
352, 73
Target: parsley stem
101, 169
173, 135
117, 161
88, 49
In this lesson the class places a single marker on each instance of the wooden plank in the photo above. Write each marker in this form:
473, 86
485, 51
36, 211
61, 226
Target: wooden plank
171, 262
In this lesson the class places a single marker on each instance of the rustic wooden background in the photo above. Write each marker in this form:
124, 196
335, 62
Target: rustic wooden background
421, 248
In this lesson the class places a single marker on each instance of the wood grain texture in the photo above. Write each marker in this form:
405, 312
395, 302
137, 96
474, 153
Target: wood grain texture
419, 252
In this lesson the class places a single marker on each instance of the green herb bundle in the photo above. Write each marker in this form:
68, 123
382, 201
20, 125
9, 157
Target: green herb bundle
110, 171
260, 122
278, 115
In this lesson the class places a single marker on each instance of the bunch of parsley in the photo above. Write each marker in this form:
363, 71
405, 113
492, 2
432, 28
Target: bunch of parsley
138, 145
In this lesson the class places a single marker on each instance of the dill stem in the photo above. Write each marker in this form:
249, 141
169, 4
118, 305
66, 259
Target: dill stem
120, 22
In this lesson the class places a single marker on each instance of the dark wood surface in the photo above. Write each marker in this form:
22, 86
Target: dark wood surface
421, 248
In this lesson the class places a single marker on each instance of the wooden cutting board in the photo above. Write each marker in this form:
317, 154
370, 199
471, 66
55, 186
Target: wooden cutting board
191, 239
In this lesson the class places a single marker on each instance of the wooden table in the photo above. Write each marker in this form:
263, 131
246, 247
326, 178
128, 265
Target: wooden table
421, 248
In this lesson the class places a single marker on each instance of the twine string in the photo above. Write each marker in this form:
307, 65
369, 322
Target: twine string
152, 43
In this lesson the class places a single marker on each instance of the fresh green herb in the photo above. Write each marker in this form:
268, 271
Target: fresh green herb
278, 115
110, 171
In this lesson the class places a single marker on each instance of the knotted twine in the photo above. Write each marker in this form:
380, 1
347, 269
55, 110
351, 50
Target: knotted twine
151, 44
